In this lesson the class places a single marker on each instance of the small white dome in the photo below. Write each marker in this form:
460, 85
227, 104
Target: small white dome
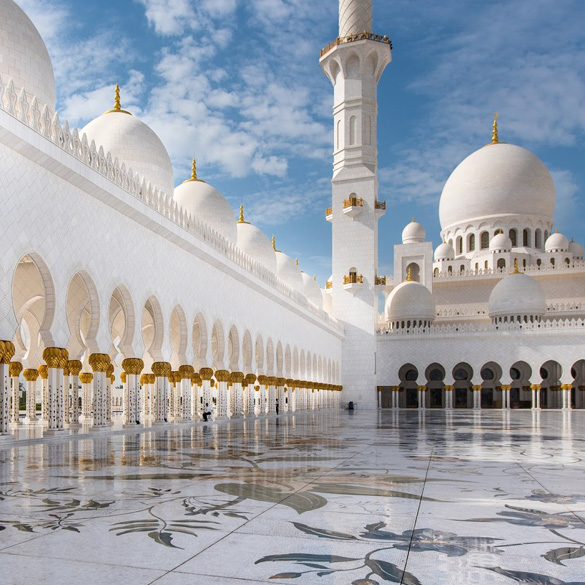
255, 243
312, 290
327, 301
410, 301
210, 206
24, 57
497, 181
413, 233
289, 272
556, 243
500, 243
135, 144
577, 250
517, 295
444, 251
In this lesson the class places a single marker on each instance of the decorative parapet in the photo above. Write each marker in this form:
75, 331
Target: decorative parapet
353, 279
574, 266
353, 202
47, 124
363, 36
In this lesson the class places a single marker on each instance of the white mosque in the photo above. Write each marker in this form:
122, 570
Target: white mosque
109, 269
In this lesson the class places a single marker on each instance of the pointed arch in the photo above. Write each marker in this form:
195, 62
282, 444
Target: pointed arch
83, 315
270, 357
218, 343
247, 352
122, 322
234, 349
279, 360
200, 341
152, 331
259, 351
178, 337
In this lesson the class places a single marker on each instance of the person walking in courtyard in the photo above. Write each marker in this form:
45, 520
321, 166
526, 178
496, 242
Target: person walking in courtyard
277, 406
207, 412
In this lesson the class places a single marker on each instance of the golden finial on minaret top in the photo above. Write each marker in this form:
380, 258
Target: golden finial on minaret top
274, 243
241, 220
194, 174
315, 278
409, 275
296, 261
117, 103
495, 139
413, 220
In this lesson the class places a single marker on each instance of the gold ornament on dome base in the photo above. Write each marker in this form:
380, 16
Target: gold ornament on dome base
206, 373
99, 362
133, 366
7, 351
75, 366
14, 369
31, 375
86, 378
162, 369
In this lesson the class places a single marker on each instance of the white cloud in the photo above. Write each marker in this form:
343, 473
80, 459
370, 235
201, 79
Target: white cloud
168, 17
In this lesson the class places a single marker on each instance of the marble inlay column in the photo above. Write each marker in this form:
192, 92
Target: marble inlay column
476, 397
31, 376
263, 384
449, 397
110, 378
506, 397
206, 375
66, 397
145, 398
7, 351
237, 379
131, 415
54, 358
99, 363
75, 367
14, 369
422, 397
272, 382
196, 396
290, 384
249, 381
222, 377
280, 383
44, 374
535, 389
161, 371
174, 396
187, 373
86, 379
566, 396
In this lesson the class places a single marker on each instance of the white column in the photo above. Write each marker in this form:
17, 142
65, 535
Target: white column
75, 367
31, 376
99, 363
55, 358
250, 380
476, 393
187, 374
566, 390
506, 396
44, 374
6, 353
281, 395
161, 371
449, 396
66, 397
110, 378
272, 395
206, 375
86, 403
222, 377
196, 396
262, 394
131, 403
15, 368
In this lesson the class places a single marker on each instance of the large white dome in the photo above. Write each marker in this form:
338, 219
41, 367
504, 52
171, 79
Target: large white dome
23, 55
132, 142
255, 243
498, 181
517, 295
410, 301
208, 205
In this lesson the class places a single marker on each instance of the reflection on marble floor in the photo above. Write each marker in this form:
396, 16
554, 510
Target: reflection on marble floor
314, 498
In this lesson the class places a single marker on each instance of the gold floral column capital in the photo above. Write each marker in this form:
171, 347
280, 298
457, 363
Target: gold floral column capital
281, 382
196, 379
7, 351
186, 372
150, 378
222, 376
123, 377
263, 380
14, 369
162, 369
144, 379
237, 378
206, 373
64, 361
133, 366
53, 357
250, 379
99, 362
43, 372
31, 375
75, 366
86, 378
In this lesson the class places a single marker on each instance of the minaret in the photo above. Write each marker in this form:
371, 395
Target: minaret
354, 63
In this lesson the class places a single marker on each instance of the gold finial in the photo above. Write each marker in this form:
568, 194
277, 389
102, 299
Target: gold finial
516, 269
117, 104
274, 243
409, 275
413, 220
495, 139
315, 278
194, 174
296, 261
241, 220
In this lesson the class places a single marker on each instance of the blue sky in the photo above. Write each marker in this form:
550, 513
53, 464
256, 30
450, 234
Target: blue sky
237, 84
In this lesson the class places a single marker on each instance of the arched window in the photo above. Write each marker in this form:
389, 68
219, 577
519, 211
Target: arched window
459, 245
501, 263
476, 266
526, 237
484, 240
471, 243
552, 261
485, 265
545, 235
462, 269
436, 272
539, 262
567, 261
513, 234
352, 130
538, 239
450, 270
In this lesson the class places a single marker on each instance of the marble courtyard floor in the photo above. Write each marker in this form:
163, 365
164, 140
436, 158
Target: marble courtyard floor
313, 498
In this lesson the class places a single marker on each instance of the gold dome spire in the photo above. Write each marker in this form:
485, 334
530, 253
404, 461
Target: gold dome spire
409, 275
274, 244
516, 269
194, 174
296, 261
242, 220
495, 139
117, 104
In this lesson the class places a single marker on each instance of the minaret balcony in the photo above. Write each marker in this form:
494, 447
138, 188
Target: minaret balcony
380, 209
353, 206
353, 282
363, 36
329, 214
380, 281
